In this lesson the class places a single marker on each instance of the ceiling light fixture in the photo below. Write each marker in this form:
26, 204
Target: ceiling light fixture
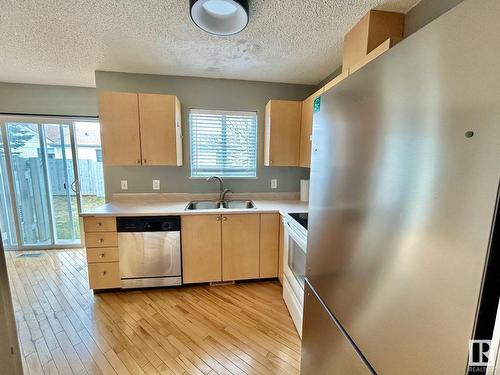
220, 17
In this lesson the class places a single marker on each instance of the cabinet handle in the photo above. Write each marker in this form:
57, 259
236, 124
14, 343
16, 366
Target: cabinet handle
270, 162
138, 161
218, 218
101, 240
99, 224
145, 161
104, 273
224, 218
101, 255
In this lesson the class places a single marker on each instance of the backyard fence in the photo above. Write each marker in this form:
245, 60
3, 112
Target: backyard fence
91, 180
31, 191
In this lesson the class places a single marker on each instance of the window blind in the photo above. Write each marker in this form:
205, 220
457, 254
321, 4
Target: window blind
223, 143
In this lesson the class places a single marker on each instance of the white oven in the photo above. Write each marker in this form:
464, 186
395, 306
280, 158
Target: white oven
294, 268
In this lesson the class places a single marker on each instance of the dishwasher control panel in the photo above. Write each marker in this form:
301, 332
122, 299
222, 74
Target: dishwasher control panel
148, 224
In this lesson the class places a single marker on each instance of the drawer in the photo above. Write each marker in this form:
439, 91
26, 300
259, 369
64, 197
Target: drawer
102, 254
104, 275
101, 239
99, 224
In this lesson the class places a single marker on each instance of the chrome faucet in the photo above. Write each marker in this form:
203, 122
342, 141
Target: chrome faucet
223, 195
222, 191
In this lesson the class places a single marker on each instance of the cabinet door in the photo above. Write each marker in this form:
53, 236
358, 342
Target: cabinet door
269, 242
158, 127
240, 247
119, 118
282, 133
306, 132
201, 248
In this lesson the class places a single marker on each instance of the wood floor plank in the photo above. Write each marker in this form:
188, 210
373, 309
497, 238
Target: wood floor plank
34, 365
50, 368
65, 329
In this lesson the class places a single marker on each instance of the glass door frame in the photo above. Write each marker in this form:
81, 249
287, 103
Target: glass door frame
40, 120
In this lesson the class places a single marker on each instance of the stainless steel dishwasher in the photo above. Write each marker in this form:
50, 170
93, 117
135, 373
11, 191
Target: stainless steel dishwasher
150, 251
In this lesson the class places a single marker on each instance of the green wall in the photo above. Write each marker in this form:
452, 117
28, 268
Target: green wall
47, 100
204, 93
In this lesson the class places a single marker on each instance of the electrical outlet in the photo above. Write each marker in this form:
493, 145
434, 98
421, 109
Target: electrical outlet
274, 183
156, 184
124, 184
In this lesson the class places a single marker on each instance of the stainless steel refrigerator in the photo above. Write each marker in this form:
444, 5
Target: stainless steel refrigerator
404, 187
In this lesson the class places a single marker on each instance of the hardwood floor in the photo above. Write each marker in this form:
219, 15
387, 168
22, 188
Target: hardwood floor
65, 329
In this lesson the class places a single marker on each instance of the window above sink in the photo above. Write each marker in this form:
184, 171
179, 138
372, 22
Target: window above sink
223, 143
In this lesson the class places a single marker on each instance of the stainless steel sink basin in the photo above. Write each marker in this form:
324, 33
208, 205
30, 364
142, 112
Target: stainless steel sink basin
203, 205
238, 204
214, 205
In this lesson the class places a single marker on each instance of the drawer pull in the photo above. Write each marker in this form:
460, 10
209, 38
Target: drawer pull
101, 255
104, 273
99, 224
224, 218
101, 240
218, 218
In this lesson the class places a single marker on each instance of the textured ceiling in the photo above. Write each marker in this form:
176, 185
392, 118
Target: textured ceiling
63, 42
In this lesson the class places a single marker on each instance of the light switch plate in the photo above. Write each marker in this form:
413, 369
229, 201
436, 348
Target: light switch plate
274, 183
156, 184
124, 184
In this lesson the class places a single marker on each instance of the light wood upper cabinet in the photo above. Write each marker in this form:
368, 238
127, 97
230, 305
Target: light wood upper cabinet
282, 133
306, 125
269, 242
140, 129
160, 124
201, 248
306, 132
384, 47
240, 247
119, 118
369, 33
334, 82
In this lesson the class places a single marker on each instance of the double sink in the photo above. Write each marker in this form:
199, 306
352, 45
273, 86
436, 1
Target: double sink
218, 204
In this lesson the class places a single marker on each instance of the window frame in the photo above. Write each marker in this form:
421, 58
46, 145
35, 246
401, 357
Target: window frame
225, 112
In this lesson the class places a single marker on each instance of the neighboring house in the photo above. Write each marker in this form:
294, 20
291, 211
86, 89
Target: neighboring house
87, 136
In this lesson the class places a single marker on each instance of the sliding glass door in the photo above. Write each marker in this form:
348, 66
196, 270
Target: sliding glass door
45, 164
89, 151
7, 225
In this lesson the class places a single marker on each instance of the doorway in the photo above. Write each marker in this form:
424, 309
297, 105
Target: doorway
50, 170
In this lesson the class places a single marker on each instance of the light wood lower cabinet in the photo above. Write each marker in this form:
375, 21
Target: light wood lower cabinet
269, 242
102, 254
101, 241
99, 224
229, 247
240, 247
104, 275
201, 248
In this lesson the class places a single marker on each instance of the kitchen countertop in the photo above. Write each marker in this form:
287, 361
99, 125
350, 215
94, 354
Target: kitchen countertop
160, 207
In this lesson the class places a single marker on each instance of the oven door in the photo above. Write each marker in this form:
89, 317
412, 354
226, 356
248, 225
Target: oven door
295, 261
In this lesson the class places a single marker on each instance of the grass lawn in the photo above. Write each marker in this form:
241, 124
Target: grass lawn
63, 222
